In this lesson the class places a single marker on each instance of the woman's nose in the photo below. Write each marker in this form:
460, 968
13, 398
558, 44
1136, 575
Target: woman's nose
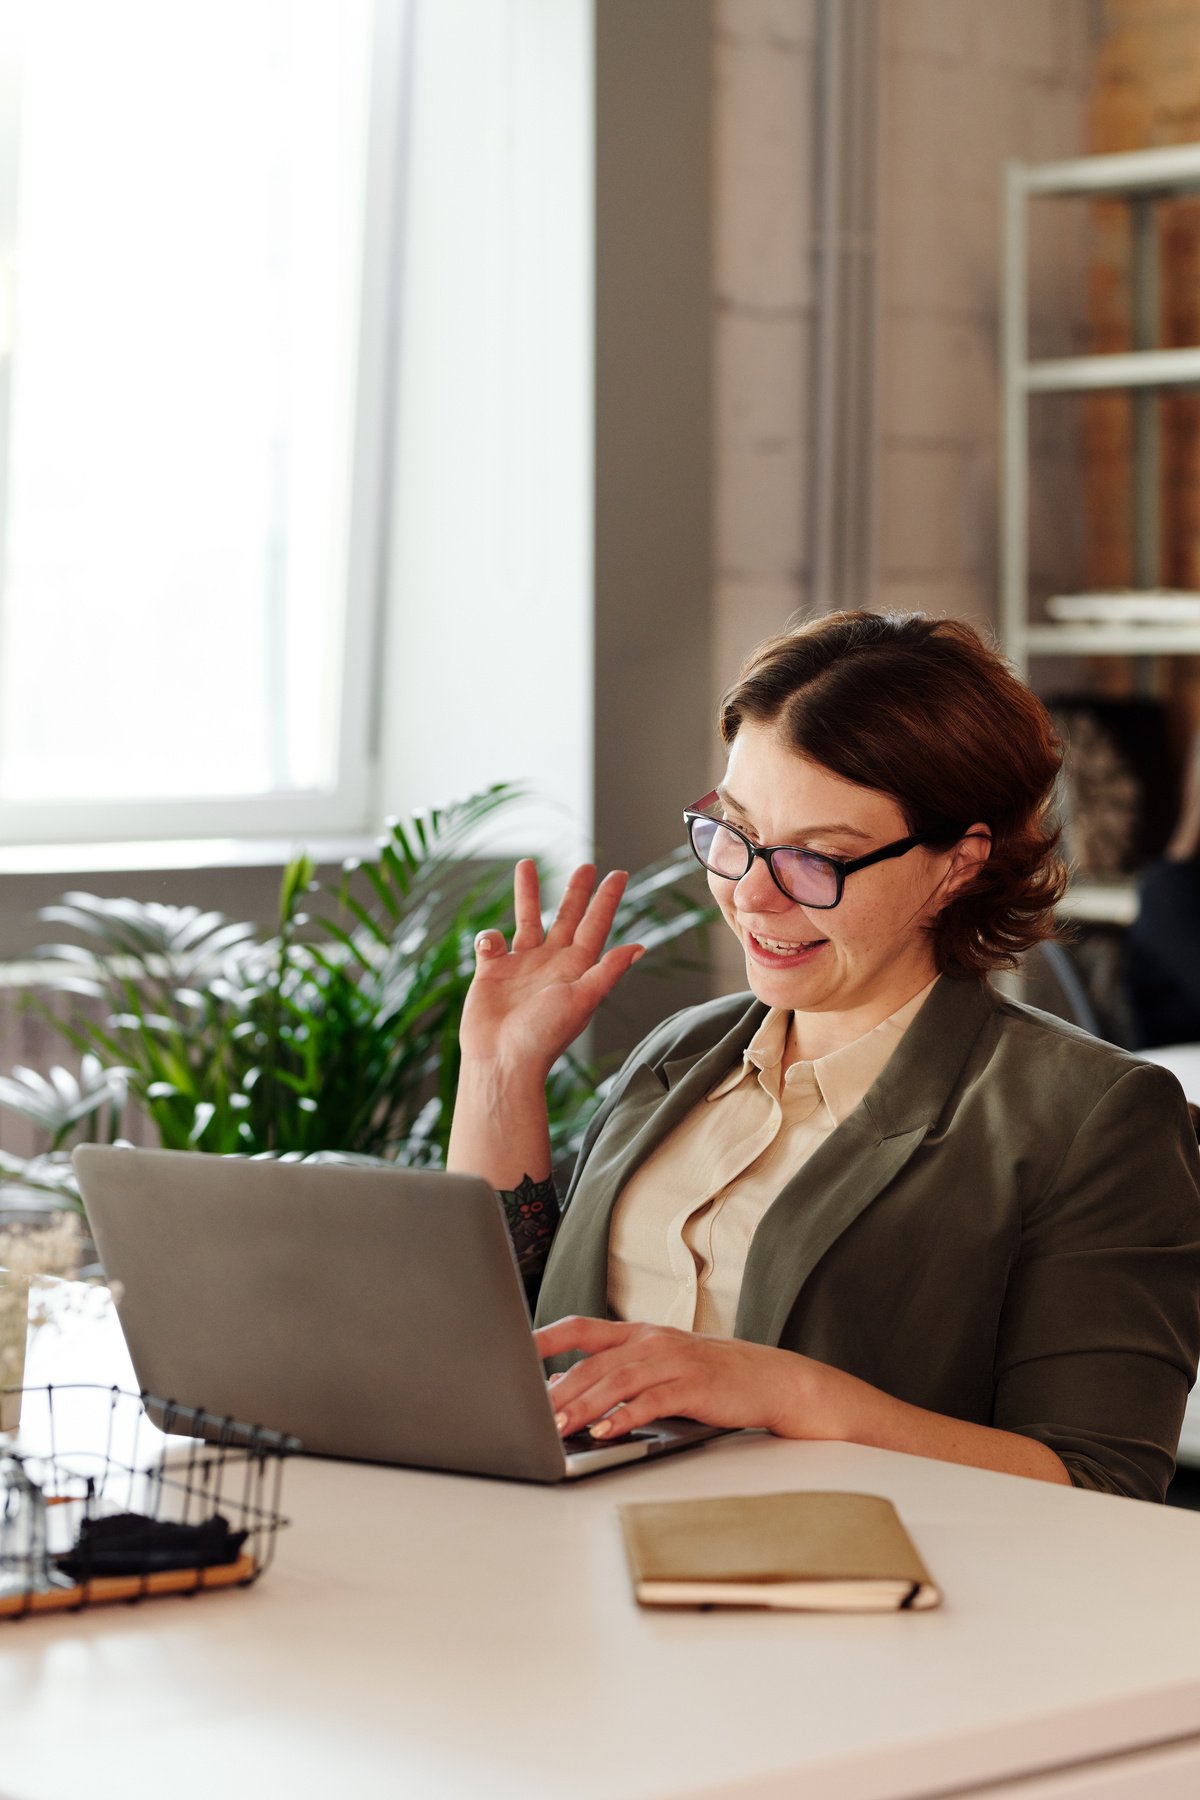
757, 892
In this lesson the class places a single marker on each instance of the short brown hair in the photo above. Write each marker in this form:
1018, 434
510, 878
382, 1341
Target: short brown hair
922, 709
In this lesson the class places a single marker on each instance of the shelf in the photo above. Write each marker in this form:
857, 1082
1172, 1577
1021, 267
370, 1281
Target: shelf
1174, 169
1109, 640
1131, 369
1100, 902
1144, 372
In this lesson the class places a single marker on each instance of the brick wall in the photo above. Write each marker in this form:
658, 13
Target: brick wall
966, 84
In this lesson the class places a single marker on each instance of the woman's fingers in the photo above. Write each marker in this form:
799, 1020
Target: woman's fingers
585, 912
603, 976
622, 1361
572, 906
527, 906
662, 1402
597, 921
578, 1332
622, 1384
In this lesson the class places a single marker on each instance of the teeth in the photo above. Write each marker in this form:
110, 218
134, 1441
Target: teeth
780, 948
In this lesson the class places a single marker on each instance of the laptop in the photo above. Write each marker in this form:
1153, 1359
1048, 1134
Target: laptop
374, 1313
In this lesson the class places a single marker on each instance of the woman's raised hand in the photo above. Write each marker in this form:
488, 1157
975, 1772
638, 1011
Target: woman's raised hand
527, 1003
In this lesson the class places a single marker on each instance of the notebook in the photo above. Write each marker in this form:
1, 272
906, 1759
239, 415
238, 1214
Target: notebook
812, 1551
374, 1313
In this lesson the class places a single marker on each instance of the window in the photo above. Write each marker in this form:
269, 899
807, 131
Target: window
185, 466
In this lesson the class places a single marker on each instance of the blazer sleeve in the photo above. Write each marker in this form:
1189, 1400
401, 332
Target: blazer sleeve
1100, 1330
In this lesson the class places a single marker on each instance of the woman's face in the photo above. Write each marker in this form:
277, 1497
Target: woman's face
861, 959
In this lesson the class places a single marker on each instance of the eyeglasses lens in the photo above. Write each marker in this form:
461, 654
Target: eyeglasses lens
805, 877
719, 850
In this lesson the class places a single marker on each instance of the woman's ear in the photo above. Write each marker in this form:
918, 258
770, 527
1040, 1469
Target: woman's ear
971, 851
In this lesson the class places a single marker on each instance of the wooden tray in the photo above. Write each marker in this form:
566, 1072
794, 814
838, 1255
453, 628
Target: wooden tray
107, 1588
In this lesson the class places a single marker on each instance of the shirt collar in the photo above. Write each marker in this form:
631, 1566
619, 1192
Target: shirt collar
844, 1076
764, 1051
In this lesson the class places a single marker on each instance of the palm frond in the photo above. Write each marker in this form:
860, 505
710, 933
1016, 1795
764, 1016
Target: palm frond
179, 943
56, 1105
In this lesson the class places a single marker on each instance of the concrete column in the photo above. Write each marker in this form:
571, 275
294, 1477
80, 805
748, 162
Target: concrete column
653, 556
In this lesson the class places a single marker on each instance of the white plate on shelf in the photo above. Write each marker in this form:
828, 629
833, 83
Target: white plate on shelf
1130, 606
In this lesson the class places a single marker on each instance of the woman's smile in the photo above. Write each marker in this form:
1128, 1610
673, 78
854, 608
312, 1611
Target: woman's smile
779, 952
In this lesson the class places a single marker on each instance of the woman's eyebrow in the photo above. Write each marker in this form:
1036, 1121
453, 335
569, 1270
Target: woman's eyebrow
851, 831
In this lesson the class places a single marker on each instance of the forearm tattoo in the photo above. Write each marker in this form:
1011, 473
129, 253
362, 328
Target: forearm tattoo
531, 1210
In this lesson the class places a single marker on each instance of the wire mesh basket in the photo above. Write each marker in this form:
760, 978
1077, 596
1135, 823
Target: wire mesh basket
110, 1495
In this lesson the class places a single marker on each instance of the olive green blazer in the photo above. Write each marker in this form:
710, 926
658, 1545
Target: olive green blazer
1005, 1230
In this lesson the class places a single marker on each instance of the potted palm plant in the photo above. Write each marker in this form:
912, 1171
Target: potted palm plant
337, 1032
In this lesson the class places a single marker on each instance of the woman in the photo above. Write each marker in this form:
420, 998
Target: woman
872, 1201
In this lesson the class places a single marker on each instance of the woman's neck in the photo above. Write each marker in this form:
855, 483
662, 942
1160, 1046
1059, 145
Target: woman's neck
815, 1034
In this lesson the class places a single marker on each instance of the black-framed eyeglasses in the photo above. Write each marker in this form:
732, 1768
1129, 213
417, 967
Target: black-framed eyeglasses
807, 876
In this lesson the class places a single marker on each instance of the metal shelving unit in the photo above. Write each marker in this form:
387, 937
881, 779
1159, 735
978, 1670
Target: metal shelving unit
1142, 178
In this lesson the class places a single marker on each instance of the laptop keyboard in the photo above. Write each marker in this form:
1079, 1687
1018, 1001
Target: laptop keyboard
582, 1440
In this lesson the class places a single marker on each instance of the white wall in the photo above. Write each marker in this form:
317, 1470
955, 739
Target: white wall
487, 651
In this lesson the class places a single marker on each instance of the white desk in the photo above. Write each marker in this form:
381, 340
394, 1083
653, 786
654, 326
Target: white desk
432, 1636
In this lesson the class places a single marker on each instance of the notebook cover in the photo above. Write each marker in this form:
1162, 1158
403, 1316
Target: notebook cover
769, 1538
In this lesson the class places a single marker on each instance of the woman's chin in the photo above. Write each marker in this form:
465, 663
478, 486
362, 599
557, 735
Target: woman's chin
793, 981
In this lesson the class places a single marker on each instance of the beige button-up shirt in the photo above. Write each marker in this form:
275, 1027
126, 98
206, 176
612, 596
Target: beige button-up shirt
683, 1224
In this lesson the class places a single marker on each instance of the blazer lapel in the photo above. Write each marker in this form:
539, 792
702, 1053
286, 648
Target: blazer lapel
649, 1105
859, 1160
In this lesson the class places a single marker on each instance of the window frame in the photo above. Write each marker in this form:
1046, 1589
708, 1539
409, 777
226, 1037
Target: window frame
346, 806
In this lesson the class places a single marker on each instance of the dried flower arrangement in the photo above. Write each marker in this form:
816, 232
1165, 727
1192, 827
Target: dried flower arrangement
31, 1258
